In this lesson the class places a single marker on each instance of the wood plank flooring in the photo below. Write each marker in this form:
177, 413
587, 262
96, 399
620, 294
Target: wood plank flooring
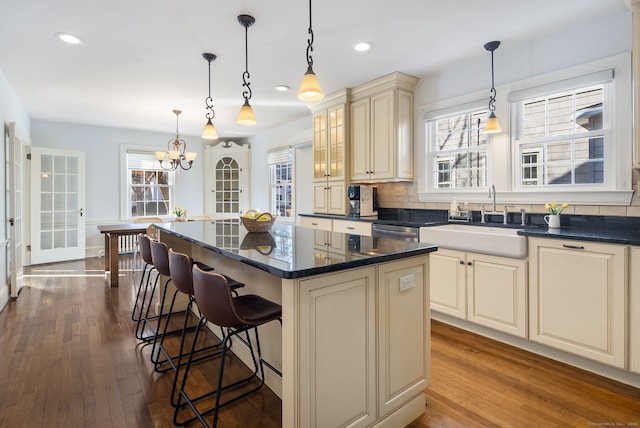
69, 359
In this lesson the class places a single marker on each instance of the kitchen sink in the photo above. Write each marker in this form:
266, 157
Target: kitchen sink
497, 241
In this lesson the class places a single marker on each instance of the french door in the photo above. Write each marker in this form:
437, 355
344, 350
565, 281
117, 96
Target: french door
57, 205
15, 218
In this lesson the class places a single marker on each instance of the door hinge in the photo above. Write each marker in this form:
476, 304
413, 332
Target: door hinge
28, 156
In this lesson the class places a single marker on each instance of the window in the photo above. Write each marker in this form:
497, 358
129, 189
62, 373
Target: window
281, 182
561, 137
149, 187
458, 150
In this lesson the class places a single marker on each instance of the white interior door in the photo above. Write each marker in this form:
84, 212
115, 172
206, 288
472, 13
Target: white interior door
16, 209
57, 205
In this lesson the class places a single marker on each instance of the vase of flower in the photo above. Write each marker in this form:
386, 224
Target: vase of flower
553, 219
180, 213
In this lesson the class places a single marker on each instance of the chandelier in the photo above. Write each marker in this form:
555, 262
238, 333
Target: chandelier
176, 154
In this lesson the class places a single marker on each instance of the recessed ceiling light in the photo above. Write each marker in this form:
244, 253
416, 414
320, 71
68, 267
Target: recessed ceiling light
70, 38
282, 88
362, 46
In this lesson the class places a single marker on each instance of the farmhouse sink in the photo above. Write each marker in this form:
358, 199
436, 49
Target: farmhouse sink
497, 241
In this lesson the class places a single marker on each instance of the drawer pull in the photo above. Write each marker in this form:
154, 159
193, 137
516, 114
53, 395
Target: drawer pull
314, 224
350, 228
573, 247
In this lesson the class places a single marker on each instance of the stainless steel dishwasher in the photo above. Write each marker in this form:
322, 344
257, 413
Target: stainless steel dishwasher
405, 233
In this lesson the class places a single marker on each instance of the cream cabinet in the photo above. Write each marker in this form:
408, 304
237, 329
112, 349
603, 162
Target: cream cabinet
486, 290
367, 330
226, 179
634, 310
577, 297
382, 130
316, 223
353, 227
330, 121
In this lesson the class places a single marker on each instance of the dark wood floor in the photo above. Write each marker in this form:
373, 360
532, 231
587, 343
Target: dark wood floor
69, 359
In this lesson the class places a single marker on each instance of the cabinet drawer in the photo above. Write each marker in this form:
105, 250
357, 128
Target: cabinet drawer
316, 223
352, 227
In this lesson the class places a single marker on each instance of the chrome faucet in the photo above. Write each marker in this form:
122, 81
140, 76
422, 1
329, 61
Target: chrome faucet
523, 216
492, 194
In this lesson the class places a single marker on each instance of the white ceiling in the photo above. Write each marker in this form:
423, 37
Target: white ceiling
143, 58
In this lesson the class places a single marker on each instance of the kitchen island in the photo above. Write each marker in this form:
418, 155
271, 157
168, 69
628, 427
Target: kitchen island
354, 345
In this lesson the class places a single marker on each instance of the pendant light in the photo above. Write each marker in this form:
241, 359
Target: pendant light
310, 88
246, 116
492, 126
176, 154
209, 132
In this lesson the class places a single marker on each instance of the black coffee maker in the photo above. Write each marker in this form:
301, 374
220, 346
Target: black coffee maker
353, 193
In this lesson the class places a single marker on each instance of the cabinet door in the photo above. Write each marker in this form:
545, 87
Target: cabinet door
320, 197
634, 310
360, 132
382, 141
336, 145
496, 293
337, 347
337, 198
577, 298
447, 278
403, 331
320, 168
316, 223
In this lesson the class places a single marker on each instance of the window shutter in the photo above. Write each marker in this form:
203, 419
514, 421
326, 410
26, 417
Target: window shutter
279, 155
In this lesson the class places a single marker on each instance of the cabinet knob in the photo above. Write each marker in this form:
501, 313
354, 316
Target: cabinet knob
468, 263
461, 262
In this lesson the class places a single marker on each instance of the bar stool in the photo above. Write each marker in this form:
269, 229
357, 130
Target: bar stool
148, 289
145, 253
181, 266
237, 314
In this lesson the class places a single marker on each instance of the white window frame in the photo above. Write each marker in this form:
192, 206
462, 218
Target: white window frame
125, 212
503, 158
278, 156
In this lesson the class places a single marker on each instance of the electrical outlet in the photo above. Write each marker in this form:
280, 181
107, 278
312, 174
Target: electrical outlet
406, 282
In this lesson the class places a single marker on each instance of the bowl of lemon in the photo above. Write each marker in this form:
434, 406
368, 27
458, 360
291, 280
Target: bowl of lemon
255, 221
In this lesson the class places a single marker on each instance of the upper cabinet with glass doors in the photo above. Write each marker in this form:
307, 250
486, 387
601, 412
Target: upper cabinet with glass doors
330, 121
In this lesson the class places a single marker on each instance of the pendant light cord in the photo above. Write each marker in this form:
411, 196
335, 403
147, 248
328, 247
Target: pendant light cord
245, 76
310, 40
209, 101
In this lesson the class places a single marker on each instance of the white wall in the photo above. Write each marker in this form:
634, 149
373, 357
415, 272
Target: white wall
471, 79
101, 146
296, 133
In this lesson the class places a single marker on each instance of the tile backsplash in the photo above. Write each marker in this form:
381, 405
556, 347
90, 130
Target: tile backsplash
405, 195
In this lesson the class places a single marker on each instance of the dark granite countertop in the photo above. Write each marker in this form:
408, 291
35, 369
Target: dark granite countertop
598, 232
288, 250
607, 229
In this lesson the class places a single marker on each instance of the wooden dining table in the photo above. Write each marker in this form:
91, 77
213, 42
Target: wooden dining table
112, 233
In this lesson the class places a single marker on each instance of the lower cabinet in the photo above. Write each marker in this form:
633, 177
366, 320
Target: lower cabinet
368, 331
330, 198
487, 290
634, 310
577, 297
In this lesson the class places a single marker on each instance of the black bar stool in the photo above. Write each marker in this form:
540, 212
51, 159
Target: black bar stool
236, 314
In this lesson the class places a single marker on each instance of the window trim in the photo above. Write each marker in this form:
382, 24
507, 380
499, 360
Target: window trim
125, 215
621, 143
279, 155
